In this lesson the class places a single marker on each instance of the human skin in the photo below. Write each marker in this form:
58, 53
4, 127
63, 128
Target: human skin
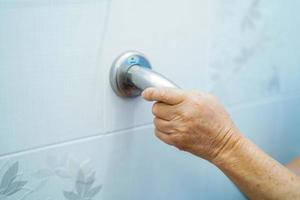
294, 166
197, 123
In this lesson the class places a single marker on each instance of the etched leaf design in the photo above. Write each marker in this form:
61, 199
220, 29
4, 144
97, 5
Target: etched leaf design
9, 175
83, 186
91, 193
91, 178
71, 195
14, 187
80, 183
90, 181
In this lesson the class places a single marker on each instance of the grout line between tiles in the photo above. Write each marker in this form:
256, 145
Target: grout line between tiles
277, 98
74, 141
101, 55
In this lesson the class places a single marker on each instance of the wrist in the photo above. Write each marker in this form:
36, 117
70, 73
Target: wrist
232, 151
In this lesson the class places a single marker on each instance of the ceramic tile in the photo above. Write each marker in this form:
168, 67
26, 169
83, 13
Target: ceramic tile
51, 87
254, 50
129, 165
54, 90
273, 125
135, 165
172, 34
290, 118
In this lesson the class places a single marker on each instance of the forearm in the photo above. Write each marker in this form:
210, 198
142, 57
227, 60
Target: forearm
199, 124
257, 174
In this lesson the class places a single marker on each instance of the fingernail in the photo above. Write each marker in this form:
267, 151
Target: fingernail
144, 93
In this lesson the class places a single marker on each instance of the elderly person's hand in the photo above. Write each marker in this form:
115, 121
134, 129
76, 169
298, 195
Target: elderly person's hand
192, 121
198, 123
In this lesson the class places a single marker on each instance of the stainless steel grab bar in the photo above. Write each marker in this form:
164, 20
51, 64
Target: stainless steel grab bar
131, 73
143, 78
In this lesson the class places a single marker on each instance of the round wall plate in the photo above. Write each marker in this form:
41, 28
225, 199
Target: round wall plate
118, 73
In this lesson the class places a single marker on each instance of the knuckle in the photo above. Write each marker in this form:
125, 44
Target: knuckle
155, 109
181, 128
158, 134
155, 122
176, 115
186, 116
158, 124
181, 114
179, 118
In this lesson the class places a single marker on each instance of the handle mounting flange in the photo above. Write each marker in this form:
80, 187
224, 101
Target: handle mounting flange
118, 73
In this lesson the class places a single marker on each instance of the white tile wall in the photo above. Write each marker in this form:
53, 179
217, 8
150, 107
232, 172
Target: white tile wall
273, 124
174, 37
51, 87
60, 121
255, 50
134, 164
126, 166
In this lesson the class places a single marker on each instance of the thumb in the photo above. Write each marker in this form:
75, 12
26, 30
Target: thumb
169, 96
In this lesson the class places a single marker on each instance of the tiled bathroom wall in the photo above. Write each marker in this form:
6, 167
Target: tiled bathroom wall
64, 134
50, 73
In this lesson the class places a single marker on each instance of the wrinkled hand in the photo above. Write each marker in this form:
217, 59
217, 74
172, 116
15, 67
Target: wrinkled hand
192, 121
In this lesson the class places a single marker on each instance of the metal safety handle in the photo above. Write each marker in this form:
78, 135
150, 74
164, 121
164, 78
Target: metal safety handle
131, 73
